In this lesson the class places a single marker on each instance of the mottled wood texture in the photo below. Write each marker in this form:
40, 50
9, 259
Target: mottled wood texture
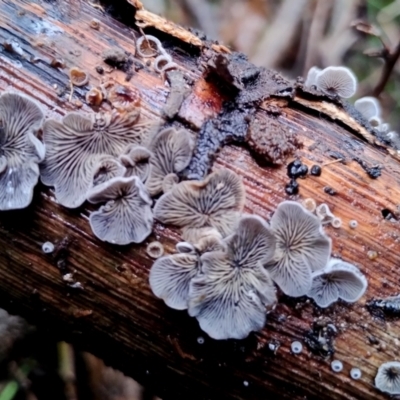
115, 314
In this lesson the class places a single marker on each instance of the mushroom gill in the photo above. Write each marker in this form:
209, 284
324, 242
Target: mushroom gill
126, 217
230, 295
20, 149
301, 248
217, 202
172, 151
74, 144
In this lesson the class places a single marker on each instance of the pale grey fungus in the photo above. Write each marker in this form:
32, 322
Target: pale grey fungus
324, 214
172, 151
230, 296
339, 81
355, 373
312, 76
200, 340
48, 247
383, 127
216, 202
353, 224
136, 160
74, 145
310, 204
336, 222
20, 149
301, 248
337, 366
126, 217
388, 377
368, 106
106, 168
155, 249
245, 383
148, 46
185, 247
204, 239
296, 347
170, 277
338, 280
169, 182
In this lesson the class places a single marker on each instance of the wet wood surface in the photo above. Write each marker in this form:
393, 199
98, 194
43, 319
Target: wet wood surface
108, 307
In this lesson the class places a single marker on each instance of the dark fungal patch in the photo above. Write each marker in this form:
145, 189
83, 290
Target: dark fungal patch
373, 172
292, 188
296, 169
252, 83
117, 58
330, 191
316, 170
271, 139
389, 306
230, 126
320, 340
388, 215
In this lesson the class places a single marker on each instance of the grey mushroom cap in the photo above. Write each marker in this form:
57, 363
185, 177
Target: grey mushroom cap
228, 302
387, 378
312, 76
126, 217
229, 297
338, 280
106, 168
74, 144
204, 239
339, 81
20, 150
301, 248
170, 277
136, 160
172, 151
368, 106
214, 202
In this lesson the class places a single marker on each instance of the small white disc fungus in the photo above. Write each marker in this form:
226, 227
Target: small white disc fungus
388, 377
353, 224
301, 248
200, 340
324, 214
355, 373
337, 366
48, 247
336, 222
245, 383
296, 347
310, 204
339, 81
338, 280
148, 46
155, 249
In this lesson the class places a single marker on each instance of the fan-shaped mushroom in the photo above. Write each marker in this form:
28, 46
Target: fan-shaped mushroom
126, 217
172, 150
301, 248
229, 297
339, 81
20, 150
214, 202
74, 144
338, 280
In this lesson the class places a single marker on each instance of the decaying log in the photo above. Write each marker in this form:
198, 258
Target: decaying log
108, 308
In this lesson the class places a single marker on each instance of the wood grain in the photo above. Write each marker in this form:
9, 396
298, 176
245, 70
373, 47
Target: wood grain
114, 314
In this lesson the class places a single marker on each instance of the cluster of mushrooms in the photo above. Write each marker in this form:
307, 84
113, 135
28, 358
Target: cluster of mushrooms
341, 81
224, 271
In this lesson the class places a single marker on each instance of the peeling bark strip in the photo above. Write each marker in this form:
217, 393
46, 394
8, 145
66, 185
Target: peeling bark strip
97, 295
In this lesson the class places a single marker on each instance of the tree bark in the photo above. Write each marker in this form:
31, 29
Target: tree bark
108, 307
